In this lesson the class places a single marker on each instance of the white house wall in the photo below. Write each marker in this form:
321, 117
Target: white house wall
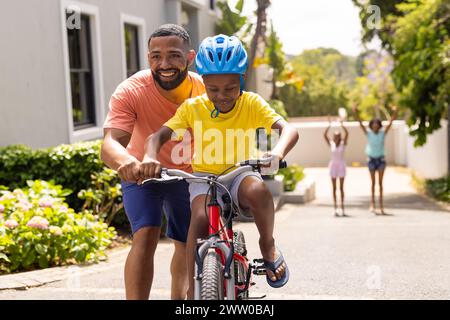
33, 108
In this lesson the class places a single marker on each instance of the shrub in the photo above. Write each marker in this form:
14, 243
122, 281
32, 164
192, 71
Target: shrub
292, 176
439, 188
15, 165
67, 165
77, 167
39, 230
104, 195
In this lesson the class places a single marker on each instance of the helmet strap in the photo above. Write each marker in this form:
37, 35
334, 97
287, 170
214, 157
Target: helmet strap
215, 113
242, 82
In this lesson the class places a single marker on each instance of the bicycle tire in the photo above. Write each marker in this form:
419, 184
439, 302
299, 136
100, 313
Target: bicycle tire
241, 248
212, 286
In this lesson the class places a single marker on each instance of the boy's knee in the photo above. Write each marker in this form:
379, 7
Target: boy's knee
257, 194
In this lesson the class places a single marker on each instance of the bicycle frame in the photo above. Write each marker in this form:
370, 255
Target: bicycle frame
223, 243
221, 238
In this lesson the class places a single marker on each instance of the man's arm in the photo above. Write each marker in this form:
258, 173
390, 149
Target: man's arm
288, 139
116, 157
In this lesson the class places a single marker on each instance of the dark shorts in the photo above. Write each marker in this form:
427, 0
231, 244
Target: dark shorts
376, 164
145, 205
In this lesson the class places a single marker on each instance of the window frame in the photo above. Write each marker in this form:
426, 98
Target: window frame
142, 40
94, 131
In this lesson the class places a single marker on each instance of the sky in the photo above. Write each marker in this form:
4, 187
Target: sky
309, 24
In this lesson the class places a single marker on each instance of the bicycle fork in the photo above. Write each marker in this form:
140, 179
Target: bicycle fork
219, 245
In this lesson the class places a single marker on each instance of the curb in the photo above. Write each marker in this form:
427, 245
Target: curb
38, 278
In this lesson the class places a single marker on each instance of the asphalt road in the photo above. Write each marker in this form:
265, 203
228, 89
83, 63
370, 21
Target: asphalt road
402, 256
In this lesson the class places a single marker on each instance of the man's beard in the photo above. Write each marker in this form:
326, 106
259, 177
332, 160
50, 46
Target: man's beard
171, 85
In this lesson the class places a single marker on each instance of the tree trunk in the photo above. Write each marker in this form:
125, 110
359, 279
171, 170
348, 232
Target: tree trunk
260, 35
274, 87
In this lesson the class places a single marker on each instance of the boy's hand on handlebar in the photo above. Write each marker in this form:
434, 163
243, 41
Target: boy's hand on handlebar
273, 166
274, 159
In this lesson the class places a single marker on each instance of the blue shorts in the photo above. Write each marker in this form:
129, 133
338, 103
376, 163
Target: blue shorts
376, 164
144, 206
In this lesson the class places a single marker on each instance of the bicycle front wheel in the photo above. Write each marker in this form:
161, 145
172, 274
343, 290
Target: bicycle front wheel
212, 280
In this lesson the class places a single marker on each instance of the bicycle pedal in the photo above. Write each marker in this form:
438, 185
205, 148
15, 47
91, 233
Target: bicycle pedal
260, 271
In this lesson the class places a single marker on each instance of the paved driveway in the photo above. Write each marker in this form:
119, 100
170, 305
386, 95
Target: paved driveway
402, 256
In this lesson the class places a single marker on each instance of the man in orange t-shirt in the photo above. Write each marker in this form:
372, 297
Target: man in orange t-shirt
138, 108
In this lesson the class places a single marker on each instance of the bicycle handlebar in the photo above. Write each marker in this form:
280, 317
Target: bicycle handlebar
172, 175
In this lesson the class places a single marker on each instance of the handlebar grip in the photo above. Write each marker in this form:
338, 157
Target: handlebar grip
283, 164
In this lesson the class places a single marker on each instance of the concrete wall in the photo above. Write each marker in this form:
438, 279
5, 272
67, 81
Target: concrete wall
429, 161
33, 79
312, 150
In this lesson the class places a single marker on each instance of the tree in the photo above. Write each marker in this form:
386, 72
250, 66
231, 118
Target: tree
416, 33
375, 16
422, 64
259, 40
374, 90
327, 76
275, 59
232, 21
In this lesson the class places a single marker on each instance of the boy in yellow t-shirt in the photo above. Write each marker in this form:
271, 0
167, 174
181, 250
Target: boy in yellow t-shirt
224, 123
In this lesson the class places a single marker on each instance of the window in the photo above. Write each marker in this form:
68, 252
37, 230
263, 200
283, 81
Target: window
212, 5
81, 74
132, 49
190, 21
134, 44
83, 70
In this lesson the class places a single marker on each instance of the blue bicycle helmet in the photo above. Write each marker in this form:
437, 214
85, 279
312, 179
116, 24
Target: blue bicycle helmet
222, 55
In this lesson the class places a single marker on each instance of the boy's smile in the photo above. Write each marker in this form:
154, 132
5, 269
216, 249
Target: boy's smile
223, 90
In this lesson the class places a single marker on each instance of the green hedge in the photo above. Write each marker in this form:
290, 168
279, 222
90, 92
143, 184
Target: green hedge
68, 165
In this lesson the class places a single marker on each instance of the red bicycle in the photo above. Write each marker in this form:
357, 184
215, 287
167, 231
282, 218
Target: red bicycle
222, 268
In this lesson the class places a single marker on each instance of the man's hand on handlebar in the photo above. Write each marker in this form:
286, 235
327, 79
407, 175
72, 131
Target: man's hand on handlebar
129, 171
149, 169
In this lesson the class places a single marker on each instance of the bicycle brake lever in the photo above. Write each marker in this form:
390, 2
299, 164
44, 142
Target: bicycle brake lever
165, 178
265, 161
